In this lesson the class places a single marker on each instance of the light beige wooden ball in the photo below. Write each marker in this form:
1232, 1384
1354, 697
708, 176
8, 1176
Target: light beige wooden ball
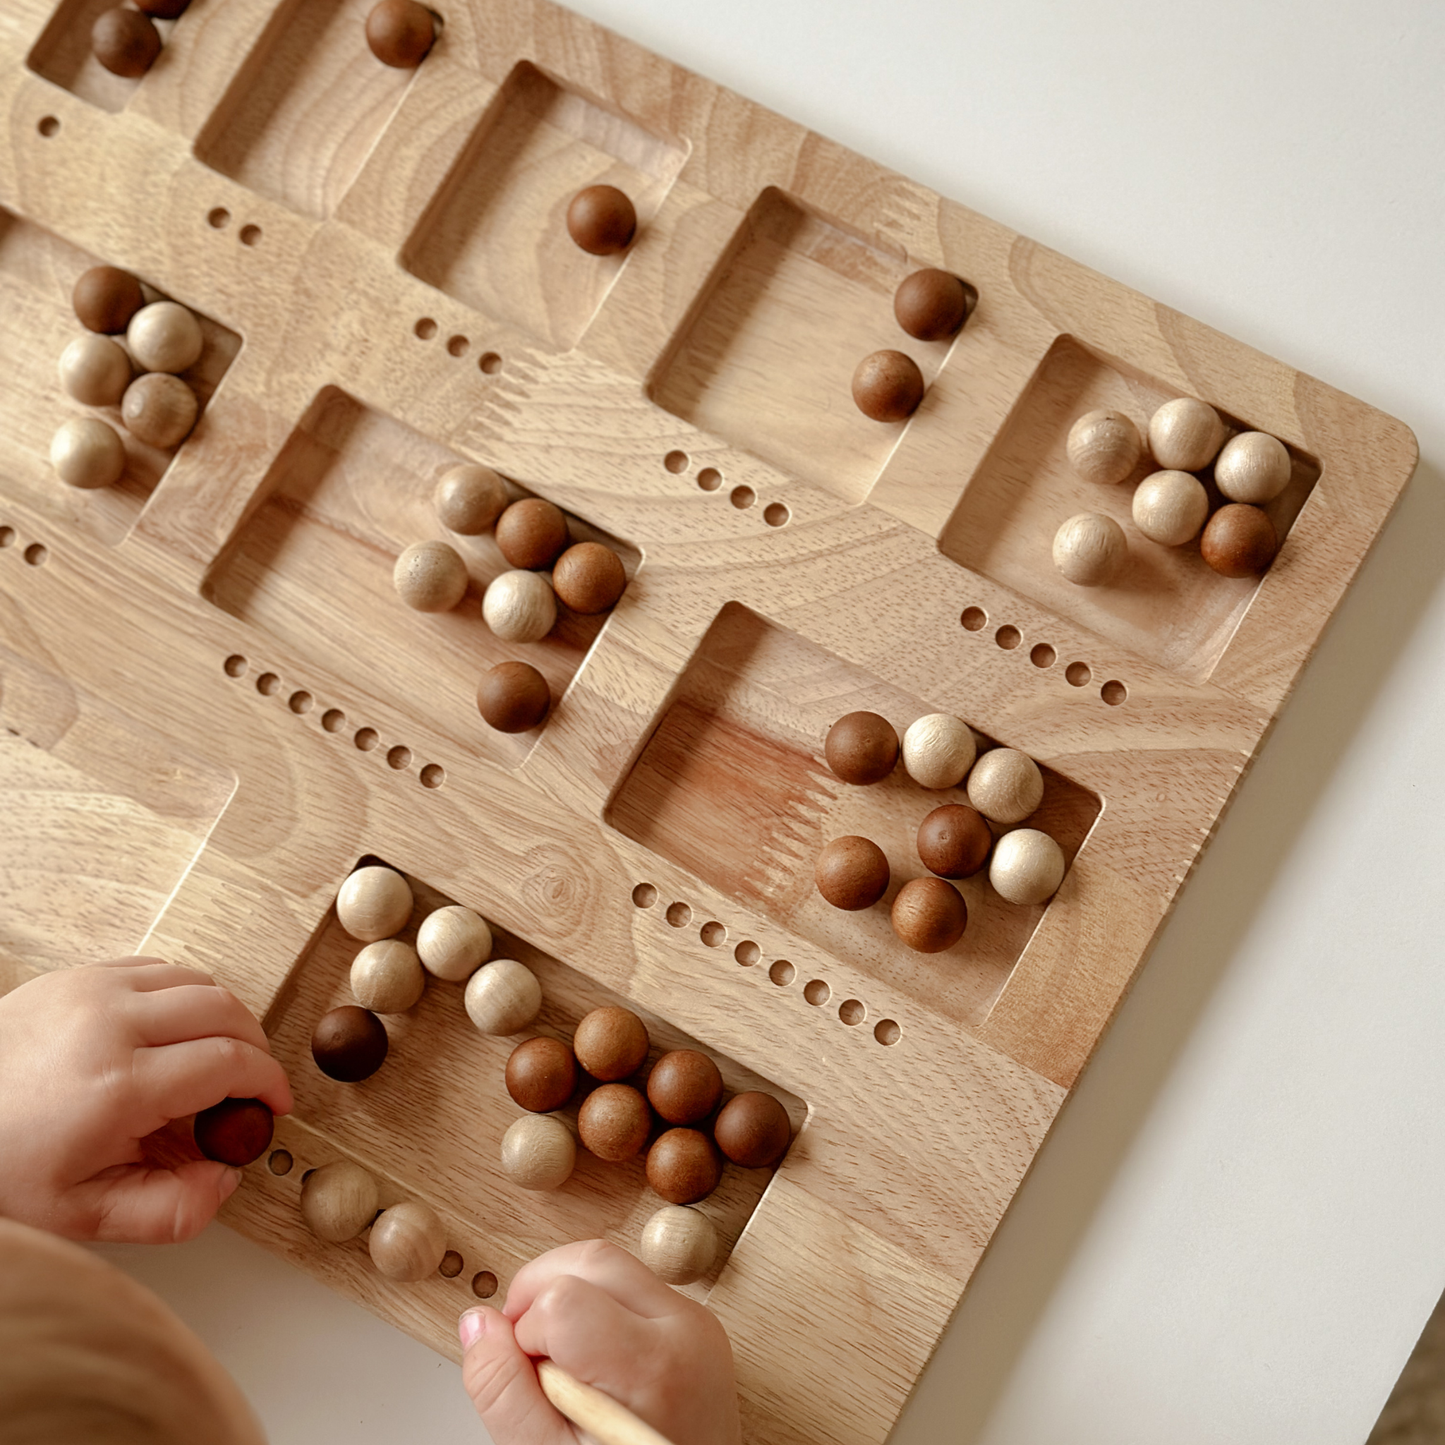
1027, 866
503, 997
679, 1244
1104, 446
520, 607
1089, 549
1005, 785
374, 903
387, 977
159, 409
87, 453
1170, 507
339, 1200
469, 498
539, 1152
408, 1241
938, 750
430, 577
1254, 467
164, 336
94, 370
1185, 434
454, 942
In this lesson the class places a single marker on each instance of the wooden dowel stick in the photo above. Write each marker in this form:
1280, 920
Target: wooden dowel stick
598, 1414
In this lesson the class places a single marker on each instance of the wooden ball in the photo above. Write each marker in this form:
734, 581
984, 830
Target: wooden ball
929, 915
520, 607
164, 336
1104, 446
861, 748
887, 386
400, 32
539, 1152
1005, 785
852, 873
684, 1086
1027, 866
679, 1245
503, 997
1185, 434
349, 1044
469, 498
610, 1043
931, 304
430, 577
1239, 541
387, 977
374, 903
1170, 507
753, 1130
683, 1166
163, 9
235, 1131
938, 750
453, 943
1254, 467
953, 841
541, 1075
105, 298
532, 533
87, 453
159, 410
614, 1122
602, 220
339, 1200
408, 1241
589, 578
1090, 548
94, 370
513, 696
125, 42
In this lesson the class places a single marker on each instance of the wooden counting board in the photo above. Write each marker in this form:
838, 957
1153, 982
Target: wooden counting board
215, 705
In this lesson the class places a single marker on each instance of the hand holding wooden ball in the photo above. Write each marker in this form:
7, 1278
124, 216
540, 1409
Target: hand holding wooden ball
1104, 446
539, 1152
938, 750
610, 1043
1239, 541
502, 997
1170, 507
602, 220
753, 1130
159, 409
94, 370
235, 1131
408, 1241
684, 1086
87, 453
1185, 434
589, 578
430, 577
125, 42
105, 298
1089, 549
954, 841
520, 607
683, 1166
930, 305
1254, 467
513, 697
400, 33
374, 903
469, 498
861, 748
164, 336
1027, 866
888, 386
532, 533
349, 1044
387, 977
679, 1245
929, 915
453, 942
1005, 785
541, 1075
339, 1200
614, 1122
852, 873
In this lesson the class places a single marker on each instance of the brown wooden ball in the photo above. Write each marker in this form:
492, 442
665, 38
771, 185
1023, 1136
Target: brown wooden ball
852, 873
400, 32
931, 304
541, 1075
105, 298
513, 696
235, 1131
684, 1086
888, 386
349, 1044
163, 9
159, 409
602, 220
929, 915
125, 42
589, 578
753, 1130
861, 748
683, 1166
532, 533
1239, 541
610, 1043
614, 1122
953, 841
469, 498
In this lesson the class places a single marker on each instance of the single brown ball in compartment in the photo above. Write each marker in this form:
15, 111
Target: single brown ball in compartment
861, 748
589, 578
125, 42
541, 1075
684, 1086
1239, 541
513, 696
235, 1131
349, 1044
602, 220
852, 873
614, 1122
954, 840
532, 533
929, 915
753, 1130
888, 386
610, 1043
105, 298
931, 304
400, 33
683, 1166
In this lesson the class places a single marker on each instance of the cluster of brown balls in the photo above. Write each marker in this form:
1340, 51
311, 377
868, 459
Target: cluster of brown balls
126, 42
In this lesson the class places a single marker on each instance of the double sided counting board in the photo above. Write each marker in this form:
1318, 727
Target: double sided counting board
215, 707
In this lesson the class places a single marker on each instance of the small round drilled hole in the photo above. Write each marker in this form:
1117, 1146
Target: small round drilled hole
280, 1161
366, 739
851, 1011
484, 1285
48, 126
457, 345
782, 973
433, 775
333, 719
775, 514
742, 498
747, 953
250, 235
398, 758
1078, 673
817, 992
1043, 655
235, 665
300, 702
219, 219
7, 536
451, 1265
1008, 637
36, 555
709, 479
489, 362
425, 329
887, 1032
713, 934
1113, 692
268, 684
679, 914
975, 619
644, 895
675, 462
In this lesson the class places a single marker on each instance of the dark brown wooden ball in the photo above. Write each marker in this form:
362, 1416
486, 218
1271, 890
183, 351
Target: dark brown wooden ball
753, 1130
683, 1166
684, 1086
614, 1122
125, 42
610, 1043
541, 1075
400, 32
954, 841
602, 220
852, 873
513, 696
929, 915
589, 578
105, 298
1239, 541
931, 304
349, 1044
861, 748
235, 1131
532, 533
163, 9
888, 386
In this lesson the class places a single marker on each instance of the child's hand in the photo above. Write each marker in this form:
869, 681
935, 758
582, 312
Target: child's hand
605, 1318
92, 1060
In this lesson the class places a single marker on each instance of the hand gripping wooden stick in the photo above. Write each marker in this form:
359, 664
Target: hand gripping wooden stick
588, 1408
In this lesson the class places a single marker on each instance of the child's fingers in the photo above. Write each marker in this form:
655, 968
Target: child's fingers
136, 1204
184, 1078
192, 1011
582, 1327
502, 1383
610, 1268
143, 974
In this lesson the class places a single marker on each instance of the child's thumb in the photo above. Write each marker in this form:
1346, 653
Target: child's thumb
139, 1204
502, 1382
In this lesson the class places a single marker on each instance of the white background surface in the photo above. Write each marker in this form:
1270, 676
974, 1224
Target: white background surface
1236, 1230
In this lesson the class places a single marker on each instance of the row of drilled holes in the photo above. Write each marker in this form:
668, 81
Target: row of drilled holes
816, 991
457, 345
1042, 655
775, 514
333, 720
35, 554
219, 218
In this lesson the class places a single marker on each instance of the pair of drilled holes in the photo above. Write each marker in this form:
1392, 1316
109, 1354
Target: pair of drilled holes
219, 218
333, 720
709, 479
1043, 654
36, 554
457, 345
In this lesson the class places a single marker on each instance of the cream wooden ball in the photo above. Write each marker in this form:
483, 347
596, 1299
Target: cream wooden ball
339, 1200
1254, 467
94, 370
159, 409
454, 943
503, 997
164, 336
469, 498
1027, 866
938, 750
1170, 507
520, 607
408, 1241
374, 903
539, 1152
1185, 434
1005, 785
679, 1244
1090, 548
87, 453
387, 977
430, 577
1104, 446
